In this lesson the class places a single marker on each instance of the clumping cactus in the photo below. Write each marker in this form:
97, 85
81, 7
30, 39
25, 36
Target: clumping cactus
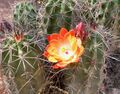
88, 77
22, 49
23, 44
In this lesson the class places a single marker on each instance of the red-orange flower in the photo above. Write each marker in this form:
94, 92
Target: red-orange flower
63, 48
18, 37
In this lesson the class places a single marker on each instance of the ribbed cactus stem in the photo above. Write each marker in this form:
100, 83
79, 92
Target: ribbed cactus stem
58, 14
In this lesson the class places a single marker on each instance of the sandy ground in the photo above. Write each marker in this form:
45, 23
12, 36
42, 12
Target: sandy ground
6, 9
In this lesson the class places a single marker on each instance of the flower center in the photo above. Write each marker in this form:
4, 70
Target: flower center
65, 52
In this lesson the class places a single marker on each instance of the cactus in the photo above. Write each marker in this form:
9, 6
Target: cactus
87, 77
22, 48
97, 12
25, 16
58, 14
24, 41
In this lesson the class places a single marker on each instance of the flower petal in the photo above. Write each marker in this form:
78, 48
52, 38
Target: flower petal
52, 59
72, 32
80, 51
46, 54
52, 50
79, 42
53, 37
79, 31
60, 65
80, 27
63, 31
72, 41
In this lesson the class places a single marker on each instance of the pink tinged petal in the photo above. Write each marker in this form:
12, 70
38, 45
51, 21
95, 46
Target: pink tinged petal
80, 31
80, 27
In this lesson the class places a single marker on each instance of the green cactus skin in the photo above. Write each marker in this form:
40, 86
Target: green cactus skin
86, 76
58, 14
21, 60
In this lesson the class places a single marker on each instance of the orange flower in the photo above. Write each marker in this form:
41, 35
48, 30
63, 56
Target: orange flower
63, 48
18, 37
